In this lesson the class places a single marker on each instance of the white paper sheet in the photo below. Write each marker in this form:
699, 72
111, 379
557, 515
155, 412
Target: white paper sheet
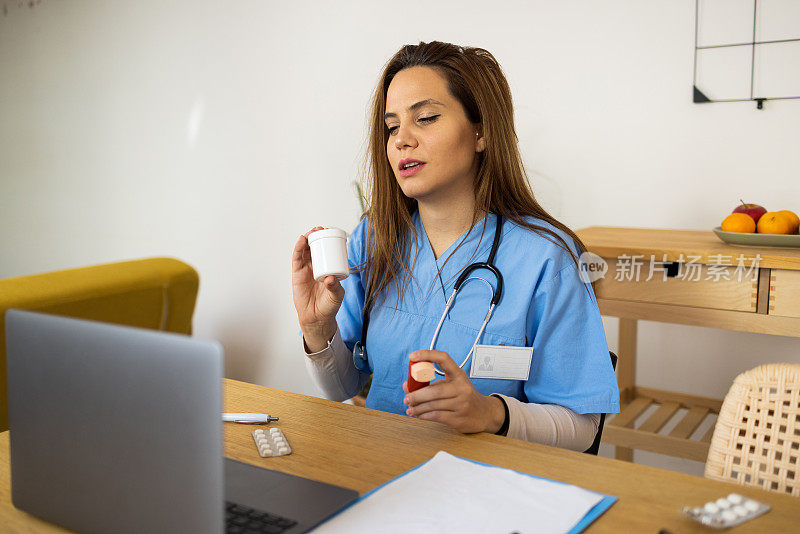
448, 494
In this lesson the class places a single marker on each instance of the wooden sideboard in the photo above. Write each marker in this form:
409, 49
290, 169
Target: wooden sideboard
692, 278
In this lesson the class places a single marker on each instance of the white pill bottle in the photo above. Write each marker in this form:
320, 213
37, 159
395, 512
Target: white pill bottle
329, 253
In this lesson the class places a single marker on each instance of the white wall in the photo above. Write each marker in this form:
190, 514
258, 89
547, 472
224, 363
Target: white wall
218, 132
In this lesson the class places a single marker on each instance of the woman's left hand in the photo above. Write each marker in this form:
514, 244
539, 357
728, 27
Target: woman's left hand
453, 401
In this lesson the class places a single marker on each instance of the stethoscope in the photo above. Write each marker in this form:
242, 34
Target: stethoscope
360, 351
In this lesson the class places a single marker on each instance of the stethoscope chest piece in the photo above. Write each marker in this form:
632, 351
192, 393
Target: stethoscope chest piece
360, 358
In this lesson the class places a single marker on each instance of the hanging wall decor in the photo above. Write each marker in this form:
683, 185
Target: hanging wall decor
746, 50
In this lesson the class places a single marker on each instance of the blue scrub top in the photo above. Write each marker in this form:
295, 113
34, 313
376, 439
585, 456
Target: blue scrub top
544, 304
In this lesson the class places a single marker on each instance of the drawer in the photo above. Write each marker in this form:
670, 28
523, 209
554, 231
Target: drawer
784, 293
700, 286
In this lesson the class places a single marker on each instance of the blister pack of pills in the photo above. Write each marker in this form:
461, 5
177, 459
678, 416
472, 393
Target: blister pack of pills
727, 511
271, 442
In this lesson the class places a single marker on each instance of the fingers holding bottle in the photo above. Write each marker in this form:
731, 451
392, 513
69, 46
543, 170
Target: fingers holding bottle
319, 262
316, 297
301, 257
302, 266
303, 283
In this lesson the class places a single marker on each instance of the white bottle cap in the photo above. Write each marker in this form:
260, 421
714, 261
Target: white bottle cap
326, 232
329, 253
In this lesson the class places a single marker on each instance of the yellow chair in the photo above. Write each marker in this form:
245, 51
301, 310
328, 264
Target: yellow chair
756, 440
157, 293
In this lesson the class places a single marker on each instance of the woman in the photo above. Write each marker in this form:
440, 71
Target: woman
444, 171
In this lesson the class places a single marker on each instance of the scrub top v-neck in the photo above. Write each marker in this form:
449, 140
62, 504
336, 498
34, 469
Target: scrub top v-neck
544, 304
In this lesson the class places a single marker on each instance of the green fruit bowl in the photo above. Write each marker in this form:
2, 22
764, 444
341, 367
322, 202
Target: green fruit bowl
758, 240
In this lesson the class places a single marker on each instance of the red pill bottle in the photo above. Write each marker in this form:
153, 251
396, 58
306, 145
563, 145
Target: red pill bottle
420, 375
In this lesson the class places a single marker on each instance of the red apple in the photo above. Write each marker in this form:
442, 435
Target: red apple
753, 210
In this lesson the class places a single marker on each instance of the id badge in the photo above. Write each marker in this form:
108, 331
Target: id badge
501, 361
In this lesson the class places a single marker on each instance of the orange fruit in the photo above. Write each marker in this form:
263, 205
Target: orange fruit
739, 222
773, 222
793, 218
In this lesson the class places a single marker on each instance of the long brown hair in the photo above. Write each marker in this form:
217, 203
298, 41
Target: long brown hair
475, 79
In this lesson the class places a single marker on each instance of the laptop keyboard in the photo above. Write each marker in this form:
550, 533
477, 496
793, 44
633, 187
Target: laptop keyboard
245, 520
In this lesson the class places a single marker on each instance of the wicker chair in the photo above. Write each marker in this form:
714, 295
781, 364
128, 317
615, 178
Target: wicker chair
756, 441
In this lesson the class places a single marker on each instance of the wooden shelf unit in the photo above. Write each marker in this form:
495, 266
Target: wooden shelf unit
766, 300
647, 436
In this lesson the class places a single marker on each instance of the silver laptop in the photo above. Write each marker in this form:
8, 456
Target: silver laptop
118, 429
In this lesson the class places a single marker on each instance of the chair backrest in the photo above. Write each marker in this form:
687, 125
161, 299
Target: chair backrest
596, 443
157, 293
756, 440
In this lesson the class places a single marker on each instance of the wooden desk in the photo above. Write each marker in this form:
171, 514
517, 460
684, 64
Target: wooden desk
360, 449
765, 300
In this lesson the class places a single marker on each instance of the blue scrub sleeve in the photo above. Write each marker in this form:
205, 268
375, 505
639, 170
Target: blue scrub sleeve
571, 364
348, 318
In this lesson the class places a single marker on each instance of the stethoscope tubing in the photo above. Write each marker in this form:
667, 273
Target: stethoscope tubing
360, 351
480, 332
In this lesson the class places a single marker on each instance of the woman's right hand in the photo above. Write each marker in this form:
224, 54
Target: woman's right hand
316, 302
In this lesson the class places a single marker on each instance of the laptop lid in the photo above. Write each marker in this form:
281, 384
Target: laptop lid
147, 458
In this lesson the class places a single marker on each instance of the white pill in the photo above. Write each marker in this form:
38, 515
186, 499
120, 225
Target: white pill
259, 432
261, 439
751, 505
727, 515
723, 503
714, 521
739, 510
266, 452
735, 498
711, 508
274, 430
